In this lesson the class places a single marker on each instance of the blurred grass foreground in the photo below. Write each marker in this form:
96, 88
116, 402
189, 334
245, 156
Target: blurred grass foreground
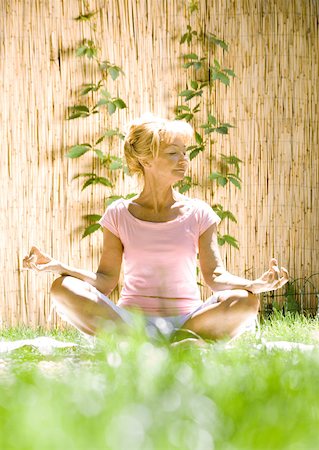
126, 392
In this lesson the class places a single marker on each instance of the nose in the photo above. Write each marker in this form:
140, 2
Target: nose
185, 157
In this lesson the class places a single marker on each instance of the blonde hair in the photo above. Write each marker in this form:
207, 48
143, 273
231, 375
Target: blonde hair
144, 135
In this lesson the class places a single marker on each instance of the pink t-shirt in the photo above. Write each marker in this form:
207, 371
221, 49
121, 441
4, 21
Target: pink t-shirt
160, 258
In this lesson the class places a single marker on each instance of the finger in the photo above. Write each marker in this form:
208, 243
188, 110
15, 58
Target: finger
271, 277
34, 250
30, 260
39, 268
280, 283
276, 272
34, 267
285, 272
266, 275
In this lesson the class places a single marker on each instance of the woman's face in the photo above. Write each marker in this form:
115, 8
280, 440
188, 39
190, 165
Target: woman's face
172, 161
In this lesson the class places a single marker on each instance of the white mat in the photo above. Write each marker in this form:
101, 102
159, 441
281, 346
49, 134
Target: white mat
281, 345
44, 344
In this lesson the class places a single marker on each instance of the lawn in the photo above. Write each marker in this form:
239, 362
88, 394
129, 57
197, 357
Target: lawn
127, 392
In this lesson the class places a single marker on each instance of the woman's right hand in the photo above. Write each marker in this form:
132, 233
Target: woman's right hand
41, 262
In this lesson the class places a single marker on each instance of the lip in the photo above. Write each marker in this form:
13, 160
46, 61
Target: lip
183, 169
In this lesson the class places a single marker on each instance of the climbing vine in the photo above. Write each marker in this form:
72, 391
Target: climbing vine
185, 110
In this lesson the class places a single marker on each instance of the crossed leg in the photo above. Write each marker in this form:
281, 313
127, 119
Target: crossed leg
81, 306
227, 318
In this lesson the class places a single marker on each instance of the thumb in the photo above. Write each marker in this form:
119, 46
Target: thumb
34, 250
40, 267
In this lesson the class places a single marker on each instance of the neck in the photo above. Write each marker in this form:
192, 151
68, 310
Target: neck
156, 197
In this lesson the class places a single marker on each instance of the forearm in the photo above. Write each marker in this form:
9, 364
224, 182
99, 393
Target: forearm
100, 281
226, 280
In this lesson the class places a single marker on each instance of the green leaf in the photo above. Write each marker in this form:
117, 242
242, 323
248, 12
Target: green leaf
230, 72
80, 108
227, 125
120, 103
230, 216
186, 93
214, 176
184, 188
100, 154
198, 138
75, 116
91, 174
81, 51
197, 65
116, 163
102, 101
77, 150
231, 240
104, 181
111, 107
217, 65
219, 177
183, 38
85, 16
112, 199
234, 176
110, 133
209, 130
187, 65
220, 240
106, 94
223, 78
191, 56
88, 183
91, 52
222, 181
212, 38
194, 153
92, 217
234, 181
183, 108
212, 119
222, 130
232, 159
91, 229
188, 117
218, 208
194, 85
100, 139
86, 90
114, 72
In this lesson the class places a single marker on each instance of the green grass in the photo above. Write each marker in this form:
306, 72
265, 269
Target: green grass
127, 392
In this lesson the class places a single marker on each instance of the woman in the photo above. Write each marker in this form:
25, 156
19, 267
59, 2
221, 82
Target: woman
159, 233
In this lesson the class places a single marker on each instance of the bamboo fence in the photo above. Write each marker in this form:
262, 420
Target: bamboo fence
272, 102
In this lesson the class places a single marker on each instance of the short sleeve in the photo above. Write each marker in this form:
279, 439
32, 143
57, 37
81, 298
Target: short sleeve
206, 216
109, 219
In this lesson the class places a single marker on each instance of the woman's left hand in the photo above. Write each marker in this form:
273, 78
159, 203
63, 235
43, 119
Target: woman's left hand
270, 280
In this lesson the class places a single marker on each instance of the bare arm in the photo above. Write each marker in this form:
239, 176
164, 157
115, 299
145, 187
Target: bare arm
104, 279
217, 277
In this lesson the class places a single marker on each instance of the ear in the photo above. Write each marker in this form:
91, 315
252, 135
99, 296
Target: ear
146, 164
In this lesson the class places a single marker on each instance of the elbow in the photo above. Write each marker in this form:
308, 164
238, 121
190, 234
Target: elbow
108, 283
218, 271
